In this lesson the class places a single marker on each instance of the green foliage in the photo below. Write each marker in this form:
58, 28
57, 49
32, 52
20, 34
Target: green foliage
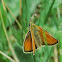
48, 16
21, 55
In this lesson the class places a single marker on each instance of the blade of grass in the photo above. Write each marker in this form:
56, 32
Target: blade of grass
47, 54
55, 54
58, 13
49, 11
3, 5
20, 7
8, 38
13, 15
7, 56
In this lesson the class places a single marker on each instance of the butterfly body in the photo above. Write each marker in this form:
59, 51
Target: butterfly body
35, 31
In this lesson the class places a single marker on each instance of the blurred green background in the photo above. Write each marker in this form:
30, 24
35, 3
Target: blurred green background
14, 21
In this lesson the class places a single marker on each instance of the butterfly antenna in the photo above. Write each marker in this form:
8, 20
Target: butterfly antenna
25, 21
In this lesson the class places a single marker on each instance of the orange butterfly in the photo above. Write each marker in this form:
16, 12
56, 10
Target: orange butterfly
37, 37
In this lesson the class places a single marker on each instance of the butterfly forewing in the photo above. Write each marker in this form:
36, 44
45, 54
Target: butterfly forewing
49, 39
28, 43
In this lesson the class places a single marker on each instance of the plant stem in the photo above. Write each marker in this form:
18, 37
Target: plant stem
7, 56
34, 58
13, 15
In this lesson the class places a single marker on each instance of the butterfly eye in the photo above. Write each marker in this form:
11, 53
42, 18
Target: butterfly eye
29, 24
29, 31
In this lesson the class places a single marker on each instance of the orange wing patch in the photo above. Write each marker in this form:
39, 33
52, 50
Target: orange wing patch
49, 39
28, 43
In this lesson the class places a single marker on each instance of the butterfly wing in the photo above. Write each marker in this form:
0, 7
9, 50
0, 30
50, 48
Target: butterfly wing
49, 39
28, 43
